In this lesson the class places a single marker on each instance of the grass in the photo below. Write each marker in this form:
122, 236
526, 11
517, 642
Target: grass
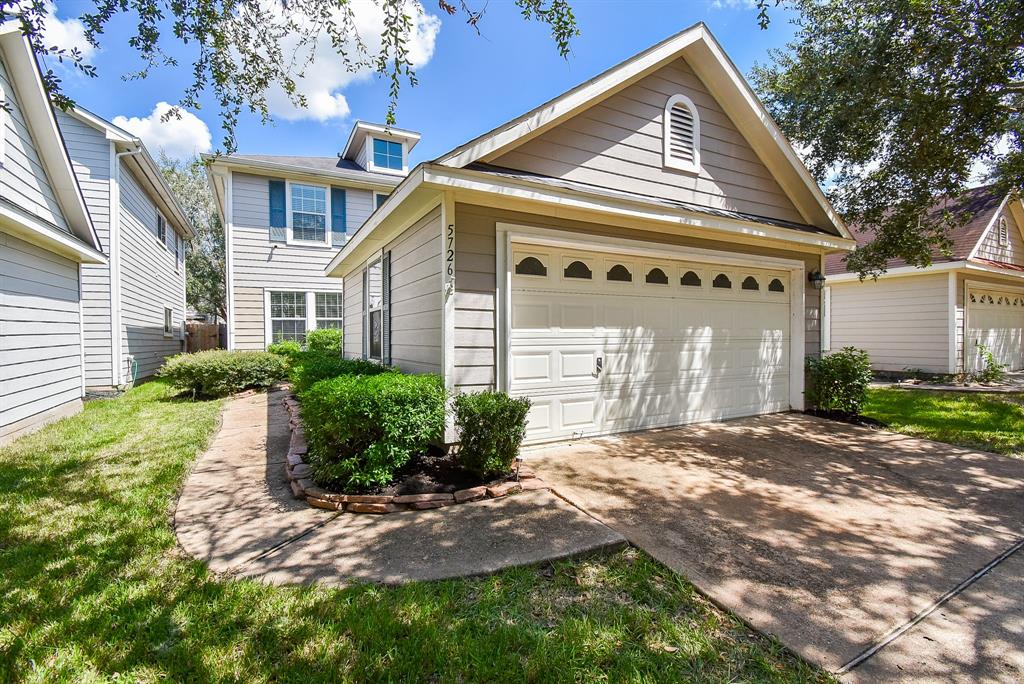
990, 422
93, 588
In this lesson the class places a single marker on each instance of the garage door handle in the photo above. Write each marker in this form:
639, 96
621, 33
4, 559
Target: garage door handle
600, 365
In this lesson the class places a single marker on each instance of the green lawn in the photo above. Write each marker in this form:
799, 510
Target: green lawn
991, 422
92, 588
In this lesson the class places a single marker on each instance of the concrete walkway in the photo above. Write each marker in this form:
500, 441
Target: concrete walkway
824, 534
237, 513
1013, 383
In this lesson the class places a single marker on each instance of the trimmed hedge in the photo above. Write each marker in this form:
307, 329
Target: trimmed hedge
324, 340
491, 426
362, 428
287, 349
310, 367
218, 372
838, 382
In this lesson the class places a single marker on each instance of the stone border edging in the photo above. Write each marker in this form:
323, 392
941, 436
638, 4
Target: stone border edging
300, 476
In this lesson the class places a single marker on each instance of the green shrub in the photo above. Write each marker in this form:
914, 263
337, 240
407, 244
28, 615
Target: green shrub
288, 348
839, 381
218, 372
310, 367
993, 370
362, 428
492, 425
324, 340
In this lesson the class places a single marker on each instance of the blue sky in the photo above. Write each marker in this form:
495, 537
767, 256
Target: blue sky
469, 83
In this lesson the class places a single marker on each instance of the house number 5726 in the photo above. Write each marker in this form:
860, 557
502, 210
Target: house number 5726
449, 256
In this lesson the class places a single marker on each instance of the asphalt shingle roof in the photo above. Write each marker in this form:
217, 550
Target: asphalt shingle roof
979, 204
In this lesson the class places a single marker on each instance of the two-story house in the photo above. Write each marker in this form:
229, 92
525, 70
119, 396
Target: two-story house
46, 240
133, 306
285, 218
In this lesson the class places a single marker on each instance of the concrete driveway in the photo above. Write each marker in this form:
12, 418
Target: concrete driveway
826, 535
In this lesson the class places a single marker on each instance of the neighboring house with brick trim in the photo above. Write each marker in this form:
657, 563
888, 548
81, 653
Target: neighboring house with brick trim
641, 251
285, 218
133, 306
47, 240
934, 319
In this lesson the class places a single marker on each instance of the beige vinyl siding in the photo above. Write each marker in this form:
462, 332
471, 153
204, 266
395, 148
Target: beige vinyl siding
901, 322
40, 343
1012, 284
618, 144
90, 153
259, 264
1011, 253
149, 283
475, 282
353, 298
23, 179
416, 296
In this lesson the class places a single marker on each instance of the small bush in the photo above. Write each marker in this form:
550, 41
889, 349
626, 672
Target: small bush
324, 340
839, 381
993, 370
287, 349
218, 372
362, 428
310, 367
492, 425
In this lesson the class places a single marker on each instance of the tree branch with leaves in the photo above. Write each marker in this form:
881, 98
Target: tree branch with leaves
245, 48
894, 103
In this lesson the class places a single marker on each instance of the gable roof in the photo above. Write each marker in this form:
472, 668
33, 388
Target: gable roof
23, 71
145, 166
978, 207
727, 85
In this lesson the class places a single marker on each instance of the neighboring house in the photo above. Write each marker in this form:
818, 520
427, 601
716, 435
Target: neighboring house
934, 319
634, 253
46, 239
286, 218
134, 305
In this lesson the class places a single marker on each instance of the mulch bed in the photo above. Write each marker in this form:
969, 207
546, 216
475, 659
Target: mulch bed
851, 419
433, 480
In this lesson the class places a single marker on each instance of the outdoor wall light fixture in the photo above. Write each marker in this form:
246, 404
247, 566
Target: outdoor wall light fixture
817, 279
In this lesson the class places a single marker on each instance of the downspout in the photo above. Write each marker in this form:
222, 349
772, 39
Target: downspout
115, 259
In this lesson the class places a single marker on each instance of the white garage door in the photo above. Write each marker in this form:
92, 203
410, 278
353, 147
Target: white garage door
995, 318
604, 343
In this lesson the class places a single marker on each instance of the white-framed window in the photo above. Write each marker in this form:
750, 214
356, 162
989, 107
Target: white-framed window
179, 252
287, 317
4, 104
1003, 232
388, 154
168, 323
308, 212
379, 198
329, 307
375, 311
681, 134
161, 229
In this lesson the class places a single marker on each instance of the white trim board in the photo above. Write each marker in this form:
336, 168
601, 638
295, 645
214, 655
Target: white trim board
509, 233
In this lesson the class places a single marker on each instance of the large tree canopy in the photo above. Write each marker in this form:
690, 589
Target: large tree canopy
894, 102
245, 48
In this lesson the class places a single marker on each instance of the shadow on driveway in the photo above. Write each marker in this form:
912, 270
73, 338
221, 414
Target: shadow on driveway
824, 534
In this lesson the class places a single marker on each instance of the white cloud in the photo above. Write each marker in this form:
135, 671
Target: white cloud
733, 4
65, 33
327, 76
177, 137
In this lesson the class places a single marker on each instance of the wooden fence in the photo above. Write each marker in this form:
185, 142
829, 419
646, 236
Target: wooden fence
203, 336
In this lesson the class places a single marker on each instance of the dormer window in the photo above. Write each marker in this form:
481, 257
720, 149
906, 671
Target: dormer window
681, 134
387, 154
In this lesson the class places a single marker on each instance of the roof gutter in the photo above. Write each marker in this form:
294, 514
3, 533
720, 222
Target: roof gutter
354, 179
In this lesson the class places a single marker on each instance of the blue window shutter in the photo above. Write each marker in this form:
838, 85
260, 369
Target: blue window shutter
338, 217
278, 220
